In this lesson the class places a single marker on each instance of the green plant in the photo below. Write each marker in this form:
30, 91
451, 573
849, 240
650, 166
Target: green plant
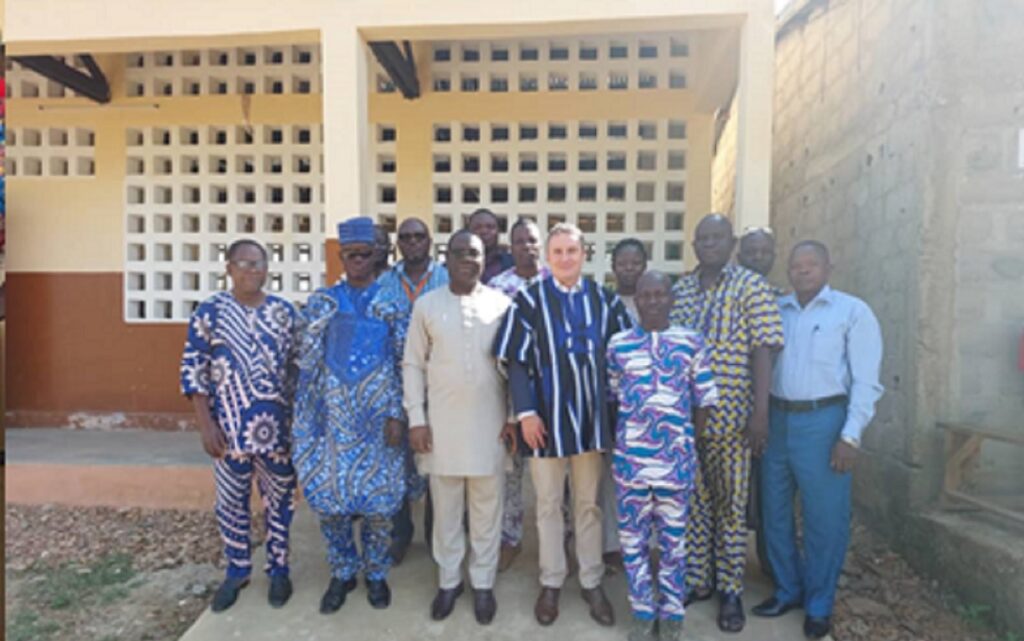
70, 585
25, 625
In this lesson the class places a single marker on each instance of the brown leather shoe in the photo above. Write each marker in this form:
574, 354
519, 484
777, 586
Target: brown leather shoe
600, 609
484, 606
546, 609
507, 555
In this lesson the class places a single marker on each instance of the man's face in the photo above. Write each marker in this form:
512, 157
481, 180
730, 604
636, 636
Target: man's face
653, 300
565, 257
248, 269
413, 240
526, 246
465, 261
628, 265
358, 260
757, 253
713, 242
808, 271
486, 227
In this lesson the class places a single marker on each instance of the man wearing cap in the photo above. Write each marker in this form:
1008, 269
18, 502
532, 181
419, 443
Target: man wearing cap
347, 424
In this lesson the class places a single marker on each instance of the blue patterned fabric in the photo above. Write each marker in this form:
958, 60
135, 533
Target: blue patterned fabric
665, 511
356, 230
659, 378
343, 556
239, 357
347, 389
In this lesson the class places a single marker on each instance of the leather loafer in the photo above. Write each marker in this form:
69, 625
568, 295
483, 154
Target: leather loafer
817, 627
730, 614
772, 608
378, 593
484, 606
335, 595
444, 602
546, 608
600, 608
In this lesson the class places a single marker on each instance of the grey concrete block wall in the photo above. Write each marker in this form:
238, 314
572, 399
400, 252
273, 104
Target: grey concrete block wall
897, 134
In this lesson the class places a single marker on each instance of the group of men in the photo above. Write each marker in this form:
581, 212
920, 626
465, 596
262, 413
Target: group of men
636, 411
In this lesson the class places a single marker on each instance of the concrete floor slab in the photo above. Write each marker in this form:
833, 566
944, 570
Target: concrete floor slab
413, 585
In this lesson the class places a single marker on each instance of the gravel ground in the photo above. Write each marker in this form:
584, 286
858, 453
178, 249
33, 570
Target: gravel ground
175, 560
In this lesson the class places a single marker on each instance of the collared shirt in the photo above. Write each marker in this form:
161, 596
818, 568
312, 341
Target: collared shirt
659, 379
452, 383
560, 336
509, 282
630, 303
396, 288
736, 315
833, 347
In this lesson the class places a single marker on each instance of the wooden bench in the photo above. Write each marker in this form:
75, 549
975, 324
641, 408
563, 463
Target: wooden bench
963, 448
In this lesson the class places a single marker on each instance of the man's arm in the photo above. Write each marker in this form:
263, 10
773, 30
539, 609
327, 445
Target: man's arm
525, 405
864, 357
213, 438
414, 380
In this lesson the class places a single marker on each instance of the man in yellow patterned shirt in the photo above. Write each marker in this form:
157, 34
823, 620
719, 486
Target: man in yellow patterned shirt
735, 309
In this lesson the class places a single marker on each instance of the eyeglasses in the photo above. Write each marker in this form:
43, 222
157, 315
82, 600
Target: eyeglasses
409, 236
469, 252
365, 254
250, 264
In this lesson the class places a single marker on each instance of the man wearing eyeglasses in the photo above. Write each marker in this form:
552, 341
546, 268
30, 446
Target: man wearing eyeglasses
458, 434
348, 425
412, 277
554, 341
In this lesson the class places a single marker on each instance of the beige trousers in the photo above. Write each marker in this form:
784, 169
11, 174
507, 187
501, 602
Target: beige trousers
450, 494
548, 475
609, 508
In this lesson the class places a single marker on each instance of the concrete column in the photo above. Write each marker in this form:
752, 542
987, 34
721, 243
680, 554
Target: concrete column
346, 125
754, 124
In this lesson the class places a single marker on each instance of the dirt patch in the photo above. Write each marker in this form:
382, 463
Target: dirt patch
882, 599
103, 574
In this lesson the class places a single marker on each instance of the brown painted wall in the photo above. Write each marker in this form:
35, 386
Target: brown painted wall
69, 350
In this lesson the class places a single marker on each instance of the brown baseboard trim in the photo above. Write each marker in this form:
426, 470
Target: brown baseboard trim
164, 421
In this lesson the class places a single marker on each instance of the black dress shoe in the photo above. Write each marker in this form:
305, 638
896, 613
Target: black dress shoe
378, 593
444, 602
280, 591
772, 607
334, 597
817, 627
730, 614
227, 593
484, 606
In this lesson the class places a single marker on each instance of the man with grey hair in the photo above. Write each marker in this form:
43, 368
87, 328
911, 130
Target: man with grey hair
554, 341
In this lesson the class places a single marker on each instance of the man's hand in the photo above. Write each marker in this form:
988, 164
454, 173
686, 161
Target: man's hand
757, 433
420, 439
393, 432
534, 432
508, 437
213, 439
844, 456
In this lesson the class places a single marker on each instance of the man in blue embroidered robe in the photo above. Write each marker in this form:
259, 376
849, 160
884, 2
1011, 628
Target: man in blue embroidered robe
347, 425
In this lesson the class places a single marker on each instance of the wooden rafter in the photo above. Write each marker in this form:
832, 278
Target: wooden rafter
92, 85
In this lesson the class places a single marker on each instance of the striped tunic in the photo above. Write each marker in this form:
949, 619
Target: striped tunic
560, 336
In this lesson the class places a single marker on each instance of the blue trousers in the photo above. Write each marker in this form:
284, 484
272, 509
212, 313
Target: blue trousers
275, 479
797, 459
343, 555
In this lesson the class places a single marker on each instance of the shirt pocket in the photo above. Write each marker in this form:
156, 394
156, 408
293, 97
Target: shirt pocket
828, 344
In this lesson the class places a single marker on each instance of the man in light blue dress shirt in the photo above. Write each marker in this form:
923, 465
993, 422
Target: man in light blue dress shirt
824, 389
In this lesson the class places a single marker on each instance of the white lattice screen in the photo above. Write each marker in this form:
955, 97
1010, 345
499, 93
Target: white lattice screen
50, 152
613, 178
190, 191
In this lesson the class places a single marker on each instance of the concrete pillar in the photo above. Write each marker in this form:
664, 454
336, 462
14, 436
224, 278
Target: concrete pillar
346, 131
754, 124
